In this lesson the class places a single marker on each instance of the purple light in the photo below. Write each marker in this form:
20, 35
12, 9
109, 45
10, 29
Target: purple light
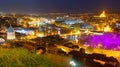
107, 40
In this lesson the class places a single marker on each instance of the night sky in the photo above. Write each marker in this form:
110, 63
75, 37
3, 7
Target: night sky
48, 6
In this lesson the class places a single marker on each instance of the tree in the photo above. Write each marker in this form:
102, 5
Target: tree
89, 50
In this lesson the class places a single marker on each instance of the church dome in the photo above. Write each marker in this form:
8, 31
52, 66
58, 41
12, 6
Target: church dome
10, 29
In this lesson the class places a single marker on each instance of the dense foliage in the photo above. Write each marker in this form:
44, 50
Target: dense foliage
19, 57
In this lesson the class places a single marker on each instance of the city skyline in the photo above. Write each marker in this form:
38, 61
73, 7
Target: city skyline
62, 6
44, 33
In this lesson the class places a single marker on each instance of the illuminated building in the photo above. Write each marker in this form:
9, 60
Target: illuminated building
117, 25
108, 41
107, 29
2, 41
59, 19
59, 31
70, 21
10, 33
102, 14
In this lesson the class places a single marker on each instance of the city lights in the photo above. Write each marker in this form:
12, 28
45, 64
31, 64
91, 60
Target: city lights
59, 33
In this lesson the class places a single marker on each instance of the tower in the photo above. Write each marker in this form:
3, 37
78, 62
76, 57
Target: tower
10, 33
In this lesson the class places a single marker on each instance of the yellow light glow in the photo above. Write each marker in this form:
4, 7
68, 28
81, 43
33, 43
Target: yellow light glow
78, 32
107, 29
99, 61
63, 49
39, 52
30, 37
87, 31
32, 33
40, 35
102, 14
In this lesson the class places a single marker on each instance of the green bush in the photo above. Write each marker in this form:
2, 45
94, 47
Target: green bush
20, 57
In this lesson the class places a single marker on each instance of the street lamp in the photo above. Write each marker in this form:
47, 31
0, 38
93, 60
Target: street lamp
72, 63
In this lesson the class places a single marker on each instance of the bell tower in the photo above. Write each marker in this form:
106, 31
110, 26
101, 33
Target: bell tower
10, 33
